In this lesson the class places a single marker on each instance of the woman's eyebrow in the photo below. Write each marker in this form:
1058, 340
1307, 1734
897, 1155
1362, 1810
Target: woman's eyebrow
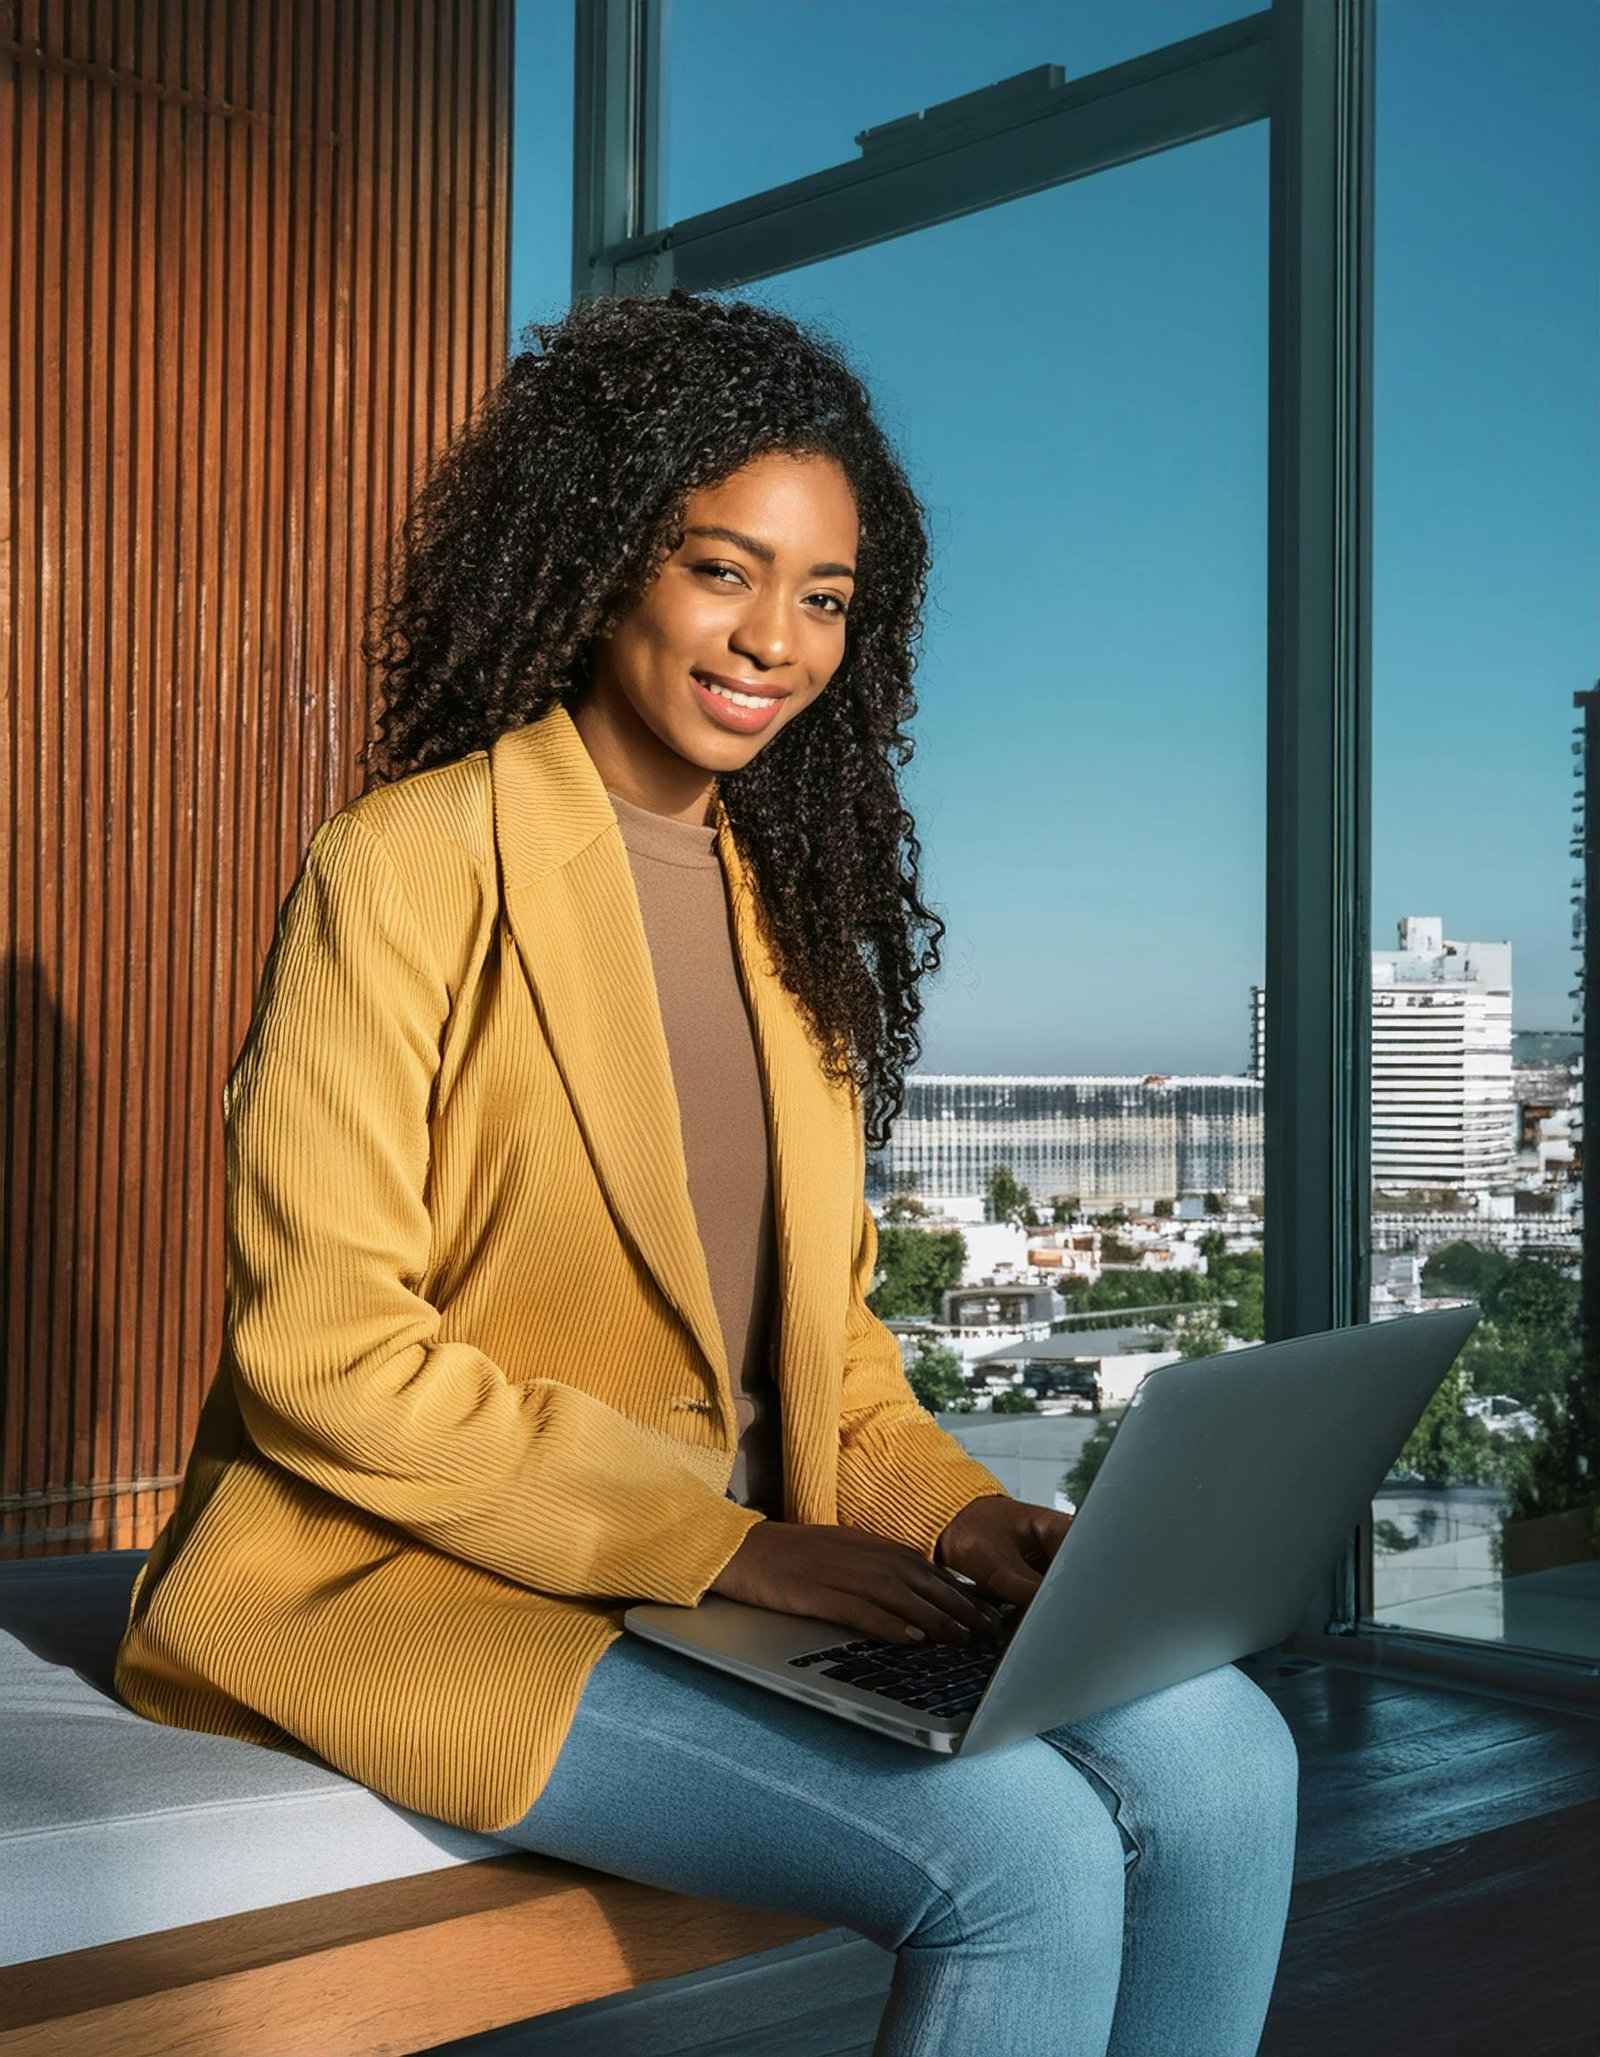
766, 552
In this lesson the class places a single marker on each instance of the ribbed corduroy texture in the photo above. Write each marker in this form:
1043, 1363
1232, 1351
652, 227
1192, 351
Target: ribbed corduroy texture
461, 1418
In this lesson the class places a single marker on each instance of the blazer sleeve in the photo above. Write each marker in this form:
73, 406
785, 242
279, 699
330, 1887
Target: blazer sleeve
900, 1474
341, 1373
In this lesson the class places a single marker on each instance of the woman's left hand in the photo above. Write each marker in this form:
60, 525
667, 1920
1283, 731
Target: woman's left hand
1003, 1544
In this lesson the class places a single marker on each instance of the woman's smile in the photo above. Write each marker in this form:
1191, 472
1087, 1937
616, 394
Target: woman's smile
745, 712
737, 635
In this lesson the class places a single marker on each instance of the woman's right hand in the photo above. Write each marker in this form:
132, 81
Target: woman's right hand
865, 1582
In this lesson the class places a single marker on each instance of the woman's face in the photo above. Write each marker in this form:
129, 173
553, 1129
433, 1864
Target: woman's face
760, 604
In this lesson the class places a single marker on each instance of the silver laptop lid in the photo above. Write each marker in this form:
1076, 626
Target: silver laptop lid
1229, 1490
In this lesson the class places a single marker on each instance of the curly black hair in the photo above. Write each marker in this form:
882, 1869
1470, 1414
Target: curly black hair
540, 526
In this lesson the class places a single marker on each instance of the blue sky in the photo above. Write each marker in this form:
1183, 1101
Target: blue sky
1077, 386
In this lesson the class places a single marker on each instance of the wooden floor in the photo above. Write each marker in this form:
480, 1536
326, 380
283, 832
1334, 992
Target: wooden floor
1446, 1903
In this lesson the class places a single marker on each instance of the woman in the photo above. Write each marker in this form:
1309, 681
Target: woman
548, 1254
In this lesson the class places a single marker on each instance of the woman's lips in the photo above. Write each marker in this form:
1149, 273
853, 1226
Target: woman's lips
744, 721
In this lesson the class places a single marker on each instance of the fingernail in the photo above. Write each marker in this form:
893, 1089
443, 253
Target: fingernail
917, 1635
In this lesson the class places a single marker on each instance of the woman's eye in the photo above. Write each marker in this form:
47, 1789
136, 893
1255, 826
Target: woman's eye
836, 605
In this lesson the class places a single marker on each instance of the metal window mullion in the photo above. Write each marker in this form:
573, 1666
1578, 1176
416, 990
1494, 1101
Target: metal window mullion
618, 142
1317, 1096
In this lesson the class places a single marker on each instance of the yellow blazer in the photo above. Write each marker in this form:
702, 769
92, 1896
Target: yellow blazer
473, 1397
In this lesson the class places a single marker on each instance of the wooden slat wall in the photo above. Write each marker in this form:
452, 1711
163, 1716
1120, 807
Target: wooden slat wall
253, 264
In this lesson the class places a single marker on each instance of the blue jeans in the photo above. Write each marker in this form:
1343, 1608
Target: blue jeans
1116, 1887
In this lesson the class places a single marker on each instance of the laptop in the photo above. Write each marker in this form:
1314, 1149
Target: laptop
1229, 1490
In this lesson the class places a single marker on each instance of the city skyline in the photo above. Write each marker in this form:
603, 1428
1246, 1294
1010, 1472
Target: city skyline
1456, 1119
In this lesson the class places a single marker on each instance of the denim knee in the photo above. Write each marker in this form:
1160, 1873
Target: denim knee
1037, 1851
1265, 1741
1232, 1764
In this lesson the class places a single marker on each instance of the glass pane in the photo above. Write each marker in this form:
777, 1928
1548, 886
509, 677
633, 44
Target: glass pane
1486, 535
541, 165
762, 91
1077, 385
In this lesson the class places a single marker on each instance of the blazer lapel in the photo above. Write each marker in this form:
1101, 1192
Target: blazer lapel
574, 915
817, 1186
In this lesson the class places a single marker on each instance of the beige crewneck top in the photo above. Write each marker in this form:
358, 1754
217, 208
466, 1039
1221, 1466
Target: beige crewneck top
722, 1109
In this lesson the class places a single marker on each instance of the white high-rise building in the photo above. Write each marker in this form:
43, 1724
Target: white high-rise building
1444, 1111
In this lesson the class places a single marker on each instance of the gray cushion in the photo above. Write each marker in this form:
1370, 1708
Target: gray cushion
114, 1826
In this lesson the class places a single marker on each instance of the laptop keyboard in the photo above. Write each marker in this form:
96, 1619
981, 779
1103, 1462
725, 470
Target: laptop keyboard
939, 1678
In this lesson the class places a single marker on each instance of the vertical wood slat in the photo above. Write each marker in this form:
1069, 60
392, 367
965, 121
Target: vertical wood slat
253, 267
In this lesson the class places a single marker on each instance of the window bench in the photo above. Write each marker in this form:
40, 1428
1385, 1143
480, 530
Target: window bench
162, 1889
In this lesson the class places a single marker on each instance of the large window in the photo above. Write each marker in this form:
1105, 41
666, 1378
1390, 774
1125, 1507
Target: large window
1119, 329
1486, 537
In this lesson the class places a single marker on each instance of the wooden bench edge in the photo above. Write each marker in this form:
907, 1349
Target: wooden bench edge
404, 1964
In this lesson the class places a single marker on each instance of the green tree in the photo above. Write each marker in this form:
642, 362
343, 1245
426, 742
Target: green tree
1560, 1470
1542, 1314
1449, 1447
936, 1377
1012, 1400
1248, 1320
916, 1266
1524, 1363
1198, 1332
1063, 1208
1462, 1268
1117, 1289
1236, 1275
1076, 1482
1531, 1294
1006, 1199
1526, 1345
1215, 1204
